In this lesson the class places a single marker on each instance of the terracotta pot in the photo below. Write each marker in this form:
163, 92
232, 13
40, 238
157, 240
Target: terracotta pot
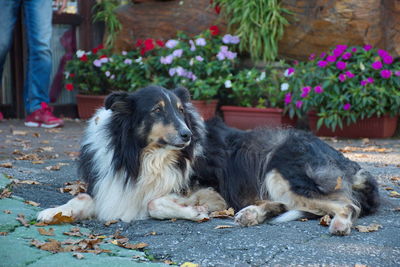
206, 108
249, 118
374, 127
88, 104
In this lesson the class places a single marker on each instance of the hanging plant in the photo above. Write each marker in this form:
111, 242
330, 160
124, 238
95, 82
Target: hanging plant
259, 24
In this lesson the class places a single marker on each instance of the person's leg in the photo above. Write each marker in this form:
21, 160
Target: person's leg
38, 17
9, 12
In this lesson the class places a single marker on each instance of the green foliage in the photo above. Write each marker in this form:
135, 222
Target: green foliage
260, 25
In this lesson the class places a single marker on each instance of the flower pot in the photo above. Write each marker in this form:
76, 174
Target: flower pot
206, 108
249, 118
374, 127
88, 104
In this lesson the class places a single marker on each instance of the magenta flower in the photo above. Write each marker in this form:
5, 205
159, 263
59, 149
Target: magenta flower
377, 65
370, 80
288, 98
383, 53
331, 58
364, 82
323, 54
305, 91
322, 63
289, 72
388, 59
346, 56
342, 77
367, 47
318, 89
311, 57
341, 65
397, 73
341, 47
354, 49
385, 74
346, 106
349, 74
295, 62
299, 103
337, 52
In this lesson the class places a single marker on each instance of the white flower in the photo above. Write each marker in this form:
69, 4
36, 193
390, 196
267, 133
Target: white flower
362, 67
171, 43
108, 73
262, 76
80, 53
284, 86
138, 60
66, 74
124, 53
228, 84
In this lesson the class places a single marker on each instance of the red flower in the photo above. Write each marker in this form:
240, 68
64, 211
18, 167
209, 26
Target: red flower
148, 44
69, 86
160, 43
139, 43
214, 30
84, 58
100, 47
103, 56
71, 75
217, 9
95, 50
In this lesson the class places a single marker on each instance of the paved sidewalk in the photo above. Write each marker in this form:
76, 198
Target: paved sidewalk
48, 157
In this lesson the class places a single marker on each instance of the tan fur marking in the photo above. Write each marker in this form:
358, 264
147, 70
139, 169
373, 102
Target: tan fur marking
161, 131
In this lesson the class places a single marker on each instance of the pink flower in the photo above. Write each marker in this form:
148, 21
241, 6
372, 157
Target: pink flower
322, 63
377, 65
364, 82
370, 80
323, 54
289, 72
354, 49
367, 47
342, 77
397, 73
288, 98
386, 74
388, 59
349, 74
337, 52
383, 53
295, 62
318, 89
341, 65
299, 103
311, 57
346, 106
331, 58
305, 91
346, 56
341, 47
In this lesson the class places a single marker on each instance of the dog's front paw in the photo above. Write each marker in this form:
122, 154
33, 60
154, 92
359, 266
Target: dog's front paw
47, 215
248, 216
340, 226
201, 213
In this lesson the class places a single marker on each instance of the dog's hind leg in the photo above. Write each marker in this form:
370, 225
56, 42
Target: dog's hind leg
80, 207
256, 214
170, 207
206, 197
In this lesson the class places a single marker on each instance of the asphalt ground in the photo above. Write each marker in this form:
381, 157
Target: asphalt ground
49, 157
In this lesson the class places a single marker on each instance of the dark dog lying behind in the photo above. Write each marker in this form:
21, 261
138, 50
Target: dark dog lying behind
141, 153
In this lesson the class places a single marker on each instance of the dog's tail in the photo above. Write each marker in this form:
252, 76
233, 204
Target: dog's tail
288, 216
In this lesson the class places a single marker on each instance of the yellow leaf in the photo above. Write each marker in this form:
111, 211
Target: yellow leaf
369, 228
338, 183
223, 226
325, 221
189, 264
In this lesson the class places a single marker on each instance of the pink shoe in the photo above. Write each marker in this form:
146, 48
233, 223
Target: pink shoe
1, 116
43, 117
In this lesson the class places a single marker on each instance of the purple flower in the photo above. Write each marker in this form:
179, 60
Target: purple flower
299, 103
367, 47
323, 54
177, 53
311, 57
200, 42
181, 71
227, 39
349, 74
103, 60
305, 91
223, 49
107, 73
172, 71
199, 58
346, 106
388, 59
288, 98
192, 46
364, 82
220, 56
128, 61
318, 89
370, 80
171, 43
383, 53
230, 55
341, 47
341, 65
124, 53
331, 58
289, 72
337, 52
342, 77
97, 62
354, 49
322, 63
235, 39
377, 65
385, 74
346, 56
397, 73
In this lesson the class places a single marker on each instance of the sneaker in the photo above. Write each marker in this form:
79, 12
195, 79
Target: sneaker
43, 117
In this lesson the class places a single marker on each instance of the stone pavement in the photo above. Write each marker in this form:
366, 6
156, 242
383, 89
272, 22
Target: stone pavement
48, 157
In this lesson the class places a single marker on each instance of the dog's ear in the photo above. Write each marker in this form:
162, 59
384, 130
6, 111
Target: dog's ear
117, 101
182, 93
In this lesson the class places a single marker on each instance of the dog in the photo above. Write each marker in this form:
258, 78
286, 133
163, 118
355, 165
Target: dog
149, 154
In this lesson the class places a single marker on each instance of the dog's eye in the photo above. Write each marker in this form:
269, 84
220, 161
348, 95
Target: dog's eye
181, 110
157, 109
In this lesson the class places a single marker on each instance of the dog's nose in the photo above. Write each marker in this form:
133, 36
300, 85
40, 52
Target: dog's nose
185, 135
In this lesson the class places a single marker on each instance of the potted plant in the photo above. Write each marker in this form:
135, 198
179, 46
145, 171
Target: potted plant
350, 92
258, 99
200, 64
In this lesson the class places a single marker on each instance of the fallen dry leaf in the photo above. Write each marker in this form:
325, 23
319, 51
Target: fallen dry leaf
53, 168
151, 233
53, 130
223, 226
303, 219
223, 213
59, 219
25, 181
360, 155
74, 187
7, 211
43, 231
394, 194
169, 262
37, 162
72, 154
360, 265
45, 142
18, 132
6, 165
395, 179
5, 193
75, 231
108, 223
365, 141
45, 149
3, 233
338, 183
37, 135
189, 264
135, 246
33, 203
79, 256
31, 157
52, 246
348, 149
203, 220
369, 228
22, 220
173, 220
397, 209
325, 220
388, 188
41, 224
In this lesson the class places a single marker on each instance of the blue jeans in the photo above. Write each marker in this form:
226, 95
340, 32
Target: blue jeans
37, 17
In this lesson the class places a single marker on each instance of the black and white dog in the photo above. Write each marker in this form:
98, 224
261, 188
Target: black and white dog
145, 153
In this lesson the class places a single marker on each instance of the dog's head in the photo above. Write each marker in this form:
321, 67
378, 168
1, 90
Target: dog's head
157, 115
